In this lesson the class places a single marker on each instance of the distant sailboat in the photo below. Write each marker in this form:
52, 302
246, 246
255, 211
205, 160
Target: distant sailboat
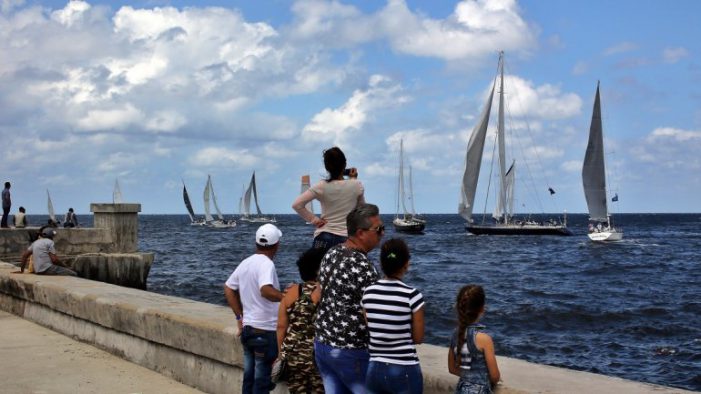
209, 220
193, 220
406, 223
504, 224
247, 216
594, 181
117, 193
50, 206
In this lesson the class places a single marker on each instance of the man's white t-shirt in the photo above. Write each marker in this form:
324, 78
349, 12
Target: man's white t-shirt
248, 278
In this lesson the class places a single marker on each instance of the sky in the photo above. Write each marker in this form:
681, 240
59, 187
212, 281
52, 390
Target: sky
157, 93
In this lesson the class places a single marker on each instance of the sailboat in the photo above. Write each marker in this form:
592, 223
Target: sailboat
117, 193
306, 184
209, 219
594, 181
50, 206
193, 220
246, 212
406, 222
504, 221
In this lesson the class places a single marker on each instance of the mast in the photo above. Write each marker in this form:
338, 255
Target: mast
402, 192
502, 150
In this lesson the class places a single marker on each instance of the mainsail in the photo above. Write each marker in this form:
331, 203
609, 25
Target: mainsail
214, 199
306, 184
255, 193
207, 191
188, 204
52, 214
401, 193
594, 170
508, 210
117, 193
473, 160
247, 197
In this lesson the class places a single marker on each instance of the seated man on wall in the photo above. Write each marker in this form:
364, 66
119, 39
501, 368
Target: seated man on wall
20, 218
45, 260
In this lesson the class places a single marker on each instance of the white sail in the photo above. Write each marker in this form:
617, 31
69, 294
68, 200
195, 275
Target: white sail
306, 184
473, 160
401, 190
117, 193
52, 214
207, 192
593, 169
247, 197
255, 193
214, 199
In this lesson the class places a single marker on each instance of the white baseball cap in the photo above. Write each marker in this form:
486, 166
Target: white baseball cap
268, 235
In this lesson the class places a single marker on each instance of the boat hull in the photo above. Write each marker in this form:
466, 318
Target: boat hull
606, 236
515, 229
409, 226
260, 219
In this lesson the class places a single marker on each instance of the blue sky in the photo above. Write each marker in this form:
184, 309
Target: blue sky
152, 92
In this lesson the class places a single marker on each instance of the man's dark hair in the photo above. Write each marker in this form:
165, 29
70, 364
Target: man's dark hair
21, 209
334, 162
309, 263
359, 218
7, 184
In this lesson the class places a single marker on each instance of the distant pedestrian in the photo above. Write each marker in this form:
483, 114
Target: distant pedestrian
341, 342
6, 204
20, 218
395, 316
337, 196
252, 292
471, 355
295, 326
71, 220
44, 255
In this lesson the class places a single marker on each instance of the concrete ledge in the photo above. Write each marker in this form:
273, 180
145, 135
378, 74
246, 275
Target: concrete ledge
196, 343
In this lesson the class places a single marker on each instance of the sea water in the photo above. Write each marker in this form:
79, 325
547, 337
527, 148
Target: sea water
630, 309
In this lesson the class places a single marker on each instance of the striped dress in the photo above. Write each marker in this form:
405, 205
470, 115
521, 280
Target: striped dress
389, 305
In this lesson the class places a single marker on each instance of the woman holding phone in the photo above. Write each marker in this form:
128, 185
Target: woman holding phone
337, 196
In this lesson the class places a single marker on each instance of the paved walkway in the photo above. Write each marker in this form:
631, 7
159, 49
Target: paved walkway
36, 360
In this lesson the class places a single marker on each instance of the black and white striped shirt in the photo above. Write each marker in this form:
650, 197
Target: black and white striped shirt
389, 305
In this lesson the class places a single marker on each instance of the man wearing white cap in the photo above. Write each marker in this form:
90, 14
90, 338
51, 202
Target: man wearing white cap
252, 293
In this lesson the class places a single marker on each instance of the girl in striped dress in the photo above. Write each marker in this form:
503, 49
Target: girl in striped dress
475, 362
395, 315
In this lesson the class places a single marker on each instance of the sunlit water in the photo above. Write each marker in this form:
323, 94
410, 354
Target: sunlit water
630, 309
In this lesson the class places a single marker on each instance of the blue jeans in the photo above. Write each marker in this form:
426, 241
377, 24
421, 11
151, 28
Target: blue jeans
259, 352
394, 378
342, 370
327, 240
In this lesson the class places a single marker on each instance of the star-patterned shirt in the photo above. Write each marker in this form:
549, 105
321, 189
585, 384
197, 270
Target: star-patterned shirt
344, 275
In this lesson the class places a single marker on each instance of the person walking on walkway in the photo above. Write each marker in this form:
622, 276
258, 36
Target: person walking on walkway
6, 205
44, 254
341, 342
252, 293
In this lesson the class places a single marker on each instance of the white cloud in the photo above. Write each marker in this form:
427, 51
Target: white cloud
671, 134
72, 13
621, 47
9, 5
165, 121
572, 166
580, 68
222, 157
673, 55
546, 101
334, 124
110, 119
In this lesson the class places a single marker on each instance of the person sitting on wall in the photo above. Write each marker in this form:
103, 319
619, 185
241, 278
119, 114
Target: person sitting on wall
44, 255
71, 220
20, 218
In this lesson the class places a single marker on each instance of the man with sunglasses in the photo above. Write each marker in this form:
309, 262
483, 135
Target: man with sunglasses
341, 341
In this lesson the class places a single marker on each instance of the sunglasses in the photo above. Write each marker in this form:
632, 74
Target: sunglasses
379, 229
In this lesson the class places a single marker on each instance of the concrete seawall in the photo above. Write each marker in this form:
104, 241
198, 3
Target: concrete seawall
196, 343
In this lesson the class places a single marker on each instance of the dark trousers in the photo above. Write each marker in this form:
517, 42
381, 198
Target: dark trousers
5, 214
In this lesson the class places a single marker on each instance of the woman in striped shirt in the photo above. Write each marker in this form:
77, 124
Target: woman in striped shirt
395, 317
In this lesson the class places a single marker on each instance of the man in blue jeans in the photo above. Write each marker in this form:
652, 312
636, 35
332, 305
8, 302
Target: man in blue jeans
252, 293
341, 341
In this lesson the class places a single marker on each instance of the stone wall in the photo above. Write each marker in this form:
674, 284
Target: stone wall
197, 344
107, 252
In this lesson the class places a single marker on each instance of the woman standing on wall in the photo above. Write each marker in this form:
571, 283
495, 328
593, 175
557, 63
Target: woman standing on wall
337, 196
